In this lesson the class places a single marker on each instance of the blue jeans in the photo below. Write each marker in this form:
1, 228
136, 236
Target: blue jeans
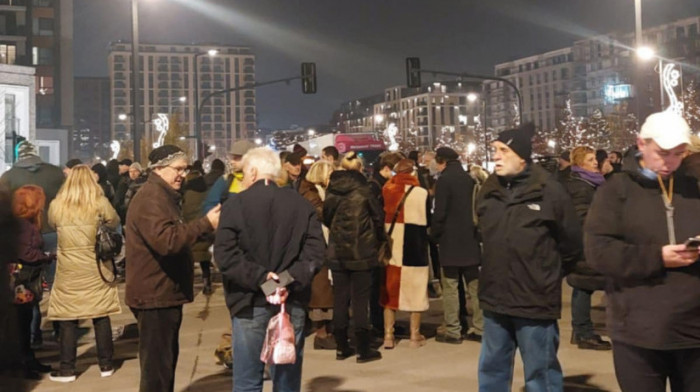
50, 245
538, 341
581, 313
249, 328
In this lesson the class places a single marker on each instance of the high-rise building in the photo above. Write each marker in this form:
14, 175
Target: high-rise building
39, 33
544, 82
92, 134
169, 78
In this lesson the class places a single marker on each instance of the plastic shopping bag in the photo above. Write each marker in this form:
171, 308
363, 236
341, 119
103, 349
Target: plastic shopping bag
279, 347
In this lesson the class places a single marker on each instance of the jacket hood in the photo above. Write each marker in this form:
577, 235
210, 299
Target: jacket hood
31, 163
631, 166
345, 181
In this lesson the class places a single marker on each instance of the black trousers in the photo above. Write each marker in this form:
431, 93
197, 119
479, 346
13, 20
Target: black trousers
68, 339
159, 346
25, 314
376, 311
355, 287
644, 370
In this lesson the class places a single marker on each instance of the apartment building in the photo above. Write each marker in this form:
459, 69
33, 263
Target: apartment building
171, 75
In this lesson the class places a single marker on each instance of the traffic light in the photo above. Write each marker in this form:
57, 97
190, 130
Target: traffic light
413, 72
308, 78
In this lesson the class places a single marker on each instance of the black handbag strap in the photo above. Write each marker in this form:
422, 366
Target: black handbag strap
101, 222
398, 210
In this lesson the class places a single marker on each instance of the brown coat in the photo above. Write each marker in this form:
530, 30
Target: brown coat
321, 289
158, 254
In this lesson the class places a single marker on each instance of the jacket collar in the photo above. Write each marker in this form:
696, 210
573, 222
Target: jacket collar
155, 179
525, 186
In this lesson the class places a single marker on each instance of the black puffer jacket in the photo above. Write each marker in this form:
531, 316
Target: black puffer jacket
649, 305
530, 232
355, 220
581, 191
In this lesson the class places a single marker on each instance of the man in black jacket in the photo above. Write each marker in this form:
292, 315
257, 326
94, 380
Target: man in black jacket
454, 232
530, 231
269, 237
635, 233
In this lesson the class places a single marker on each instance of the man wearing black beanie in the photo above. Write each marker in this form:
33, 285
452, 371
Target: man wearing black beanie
530, 232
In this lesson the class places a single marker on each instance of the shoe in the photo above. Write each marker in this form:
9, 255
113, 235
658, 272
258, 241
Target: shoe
448, 339
473, 337
342, 350
389, 341
207, 290
106, 371
365, 352
38, 367
58, 377
327, 343
37, 342
417, 341
594, 342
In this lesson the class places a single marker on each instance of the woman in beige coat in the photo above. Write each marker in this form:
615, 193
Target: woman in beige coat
79, 292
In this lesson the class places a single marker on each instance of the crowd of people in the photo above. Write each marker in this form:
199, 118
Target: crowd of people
345, 245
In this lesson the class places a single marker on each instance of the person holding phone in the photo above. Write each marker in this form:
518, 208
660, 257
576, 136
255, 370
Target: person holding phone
269, 246
635, 235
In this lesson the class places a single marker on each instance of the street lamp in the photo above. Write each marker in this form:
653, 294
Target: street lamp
122, 116
311, 132
645, 53
135, 79
471, 147
258, 141
198, 126
472, 97
551, 143
182, 99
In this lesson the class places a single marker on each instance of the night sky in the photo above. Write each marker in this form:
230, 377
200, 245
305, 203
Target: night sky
359, 45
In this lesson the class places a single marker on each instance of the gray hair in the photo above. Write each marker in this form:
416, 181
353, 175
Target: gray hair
264, 160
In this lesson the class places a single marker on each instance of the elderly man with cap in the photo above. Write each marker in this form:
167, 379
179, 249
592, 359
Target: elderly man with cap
530, 232
636, 235
230, 184
160, 264
454, 232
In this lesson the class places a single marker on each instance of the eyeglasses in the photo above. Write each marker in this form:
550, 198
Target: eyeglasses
182, 171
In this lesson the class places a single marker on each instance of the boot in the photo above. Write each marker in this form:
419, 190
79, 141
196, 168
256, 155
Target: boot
343, 350
389, 320
365, 352
207, 290
417, 340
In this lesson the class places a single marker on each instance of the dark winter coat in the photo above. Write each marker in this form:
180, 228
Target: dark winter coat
267, 229
158, 255
530, 232
31, 245
9, 336
452, 224
356, 222
376, 184
194, 192
32, 170
649, 305
134, 187
581, 191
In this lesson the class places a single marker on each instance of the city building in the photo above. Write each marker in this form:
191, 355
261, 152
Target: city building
544, 81
169, 79
418, 117
599, 74
92, 134
17, 102
39, 34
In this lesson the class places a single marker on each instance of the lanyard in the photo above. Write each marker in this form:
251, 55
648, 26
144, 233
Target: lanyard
667, 196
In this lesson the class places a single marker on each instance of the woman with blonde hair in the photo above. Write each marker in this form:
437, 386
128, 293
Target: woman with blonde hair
79, 291
313, 188
356, 222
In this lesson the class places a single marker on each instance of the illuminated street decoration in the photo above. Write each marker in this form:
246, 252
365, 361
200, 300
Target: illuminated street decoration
390, 133
162, 123
670, 77
115, 147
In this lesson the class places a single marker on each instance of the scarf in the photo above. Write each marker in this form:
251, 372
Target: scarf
596, 179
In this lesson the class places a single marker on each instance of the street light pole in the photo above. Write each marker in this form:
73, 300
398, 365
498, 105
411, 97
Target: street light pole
135, 80
198, 125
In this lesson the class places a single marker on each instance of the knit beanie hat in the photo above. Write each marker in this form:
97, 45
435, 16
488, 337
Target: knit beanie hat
519, 140
25, 149
73, 162
165, 155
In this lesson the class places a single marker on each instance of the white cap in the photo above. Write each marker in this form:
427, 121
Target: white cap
668, 129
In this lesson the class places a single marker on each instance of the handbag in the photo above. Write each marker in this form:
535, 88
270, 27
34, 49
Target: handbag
386, 246
108, 245
279, 346
25, 283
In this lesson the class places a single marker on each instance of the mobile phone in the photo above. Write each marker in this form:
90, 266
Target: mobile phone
692, 243
269, 287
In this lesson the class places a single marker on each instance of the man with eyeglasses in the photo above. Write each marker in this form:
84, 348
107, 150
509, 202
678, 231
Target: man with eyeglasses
160, 264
